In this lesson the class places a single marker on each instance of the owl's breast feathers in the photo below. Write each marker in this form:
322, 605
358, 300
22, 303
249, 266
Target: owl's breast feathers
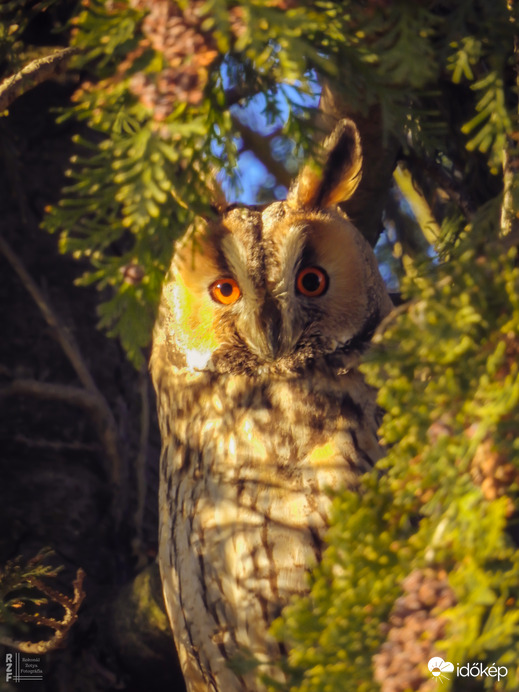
246, 469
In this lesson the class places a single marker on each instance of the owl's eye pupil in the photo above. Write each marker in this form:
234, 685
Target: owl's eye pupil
312, 282
226, 289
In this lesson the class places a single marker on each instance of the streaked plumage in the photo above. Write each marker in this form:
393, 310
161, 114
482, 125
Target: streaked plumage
262, 408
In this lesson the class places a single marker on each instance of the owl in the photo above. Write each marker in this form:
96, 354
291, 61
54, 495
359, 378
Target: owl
262, 410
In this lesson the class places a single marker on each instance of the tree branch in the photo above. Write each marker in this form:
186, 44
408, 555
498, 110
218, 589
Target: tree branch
75, 396
34, 73
259, 145
92, 398
509, 214
418, 203
56, 445
140, 461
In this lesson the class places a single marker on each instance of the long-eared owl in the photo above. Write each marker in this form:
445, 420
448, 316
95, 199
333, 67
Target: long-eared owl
262, 409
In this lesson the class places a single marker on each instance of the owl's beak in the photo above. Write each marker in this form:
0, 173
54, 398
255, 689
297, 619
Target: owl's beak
271, 323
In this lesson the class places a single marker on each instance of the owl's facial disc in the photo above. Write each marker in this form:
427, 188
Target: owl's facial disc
271, 289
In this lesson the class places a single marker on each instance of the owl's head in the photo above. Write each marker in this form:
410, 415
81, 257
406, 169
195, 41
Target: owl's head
277, 287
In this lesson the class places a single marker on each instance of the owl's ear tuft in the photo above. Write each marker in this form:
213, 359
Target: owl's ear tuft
335, 178
218, 200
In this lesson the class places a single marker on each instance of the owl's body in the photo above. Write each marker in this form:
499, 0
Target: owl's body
262, 411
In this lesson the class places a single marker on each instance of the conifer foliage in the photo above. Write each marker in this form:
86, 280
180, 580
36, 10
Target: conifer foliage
423, 562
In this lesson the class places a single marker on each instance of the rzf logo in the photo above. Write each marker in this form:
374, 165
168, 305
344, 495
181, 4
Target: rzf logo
18, 668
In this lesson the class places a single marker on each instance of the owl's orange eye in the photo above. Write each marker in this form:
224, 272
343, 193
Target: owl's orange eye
312, 282
225, 291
